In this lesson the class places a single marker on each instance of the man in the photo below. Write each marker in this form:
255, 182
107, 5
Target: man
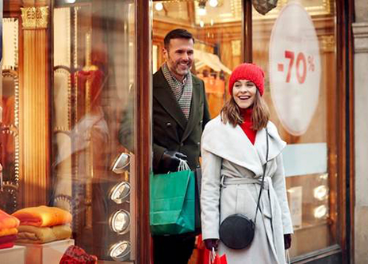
180, 113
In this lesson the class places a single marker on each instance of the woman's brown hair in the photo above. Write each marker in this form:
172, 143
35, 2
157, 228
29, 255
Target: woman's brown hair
260, 115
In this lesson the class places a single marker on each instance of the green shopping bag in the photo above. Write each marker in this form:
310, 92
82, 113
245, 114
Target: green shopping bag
172, 198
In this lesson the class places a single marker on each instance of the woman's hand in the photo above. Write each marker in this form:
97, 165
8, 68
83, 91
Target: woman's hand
211, 243
287, 241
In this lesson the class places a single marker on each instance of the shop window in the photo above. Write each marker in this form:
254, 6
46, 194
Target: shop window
68, 131
295, 44
9, 176
93, 124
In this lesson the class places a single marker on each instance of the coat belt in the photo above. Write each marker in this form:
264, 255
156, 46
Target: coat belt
238, 181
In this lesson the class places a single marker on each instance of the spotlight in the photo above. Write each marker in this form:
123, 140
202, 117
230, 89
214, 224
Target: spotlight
213, 3
320, 211
120, 163
159, 6
120, 192
320, 192
120, 251
120, 222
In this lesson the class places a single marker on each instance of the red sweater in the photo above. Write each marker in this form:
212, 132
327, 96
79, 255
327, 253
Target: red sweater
247, 124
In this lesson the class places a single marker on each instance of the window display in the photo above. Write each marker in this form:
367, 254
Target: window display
68, 150
93, 120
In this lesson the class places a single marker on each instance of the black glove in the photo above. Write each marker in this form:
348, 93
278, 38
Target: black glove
170, 161
287, 241
211, 243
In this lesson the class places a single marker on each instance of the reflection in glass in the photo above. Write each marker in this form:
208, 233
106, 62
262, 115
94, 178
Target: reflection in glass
93, 120
9, 141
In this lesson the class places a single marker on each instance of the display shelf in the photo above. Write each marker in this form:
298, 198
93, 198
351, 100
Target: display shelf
14, 255
48, 253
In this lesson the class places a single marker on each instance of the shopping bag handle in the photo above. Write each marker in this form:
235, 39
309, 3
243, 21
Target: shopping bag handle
212, 256
183, 165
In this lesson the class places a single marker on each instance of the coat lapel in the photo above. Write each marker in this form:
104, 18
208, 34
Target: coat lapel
276, 144
165, 96
193, 115
232, 144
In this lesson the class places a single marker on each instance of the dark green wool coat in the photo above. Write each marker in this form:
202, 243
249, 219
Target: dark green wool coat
171, 130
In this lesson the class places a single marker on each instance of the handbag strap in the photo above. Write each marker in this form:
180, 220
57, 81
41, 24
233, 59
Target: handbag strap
263, 176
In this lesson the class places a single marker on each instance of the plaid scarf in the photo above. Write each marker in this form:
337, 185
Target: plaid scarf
182, 90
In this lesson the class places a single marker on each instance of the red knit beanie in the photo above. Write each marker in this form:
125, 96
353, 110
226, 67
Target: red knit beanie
250, 72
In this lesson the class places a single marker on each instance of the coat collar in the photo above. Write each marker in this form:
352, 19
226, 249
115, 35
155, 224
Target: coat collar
232, 144
165, 96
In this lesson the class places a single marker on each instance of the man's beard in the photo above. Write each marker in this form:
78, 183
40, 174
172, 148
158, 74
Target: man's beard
177, 69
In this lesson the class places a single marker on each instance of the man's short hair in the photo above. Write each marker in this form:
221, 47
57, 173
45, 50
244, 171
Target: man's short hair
178, 33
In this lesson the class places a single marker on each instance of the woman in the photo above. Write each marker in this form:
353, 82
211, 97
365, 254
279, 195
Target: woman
234, 147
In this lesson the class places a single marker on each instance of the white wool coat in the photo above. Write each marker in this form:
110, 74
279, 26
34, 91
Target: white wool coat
228, 153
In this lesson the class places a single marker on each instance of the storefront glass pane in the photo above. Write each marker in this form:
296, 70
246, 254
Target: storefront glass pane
216, 27
78, 106
93, 124
295, 45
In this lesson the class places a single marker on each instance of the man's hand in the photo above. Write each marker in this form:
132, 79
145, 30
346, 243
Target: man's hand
211, 243
287, 241
170, 161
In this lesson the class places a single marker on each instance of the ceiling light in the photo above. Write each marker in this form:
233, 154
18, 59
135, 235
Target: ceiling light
213, 3
120, 251
202, 11
202, 8
70, 1
159, 6
120, 192
120, 222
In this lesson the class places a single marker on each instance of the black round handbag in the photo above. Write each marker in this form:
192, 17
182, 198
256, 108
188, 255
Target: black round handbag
237, 230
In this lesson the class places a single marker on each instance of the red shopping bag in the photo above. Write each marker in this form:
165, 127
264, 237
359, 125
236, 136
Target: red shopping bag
220, 260
216, 259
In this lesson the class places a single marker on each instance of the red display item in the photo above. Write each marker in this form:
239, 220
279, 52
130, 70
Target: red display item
7, 239
76, 255
7, 245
